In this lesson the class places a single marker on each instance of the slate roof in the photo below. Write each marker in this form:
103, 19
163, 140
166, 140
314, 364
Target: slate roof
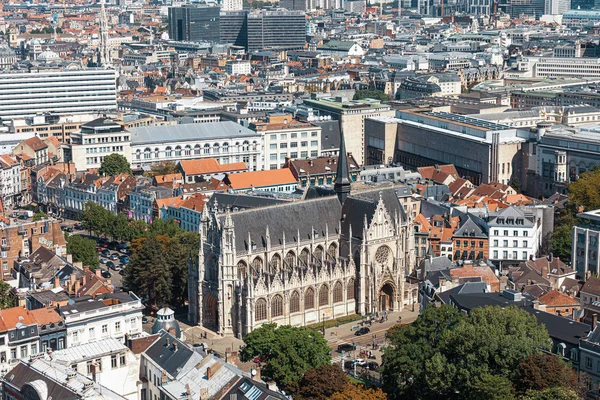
241, 201
592, 286
163, 353
470, 229
189, 132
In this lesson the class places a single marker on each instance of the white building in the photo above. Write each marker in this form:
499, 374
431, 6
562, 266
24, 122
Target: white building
238, 68
107, 316
285, 137
231, 5
58, 91
226, 141
515, 235
108, 362
553, 67
10, 179
96, 140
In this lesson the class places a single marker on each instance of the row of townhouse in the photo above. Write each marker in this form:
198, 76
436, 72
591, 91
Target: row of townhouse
25, 333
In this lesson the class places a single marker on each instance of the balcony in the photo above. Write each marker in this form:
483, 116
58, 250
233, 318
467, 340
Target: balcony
5, 246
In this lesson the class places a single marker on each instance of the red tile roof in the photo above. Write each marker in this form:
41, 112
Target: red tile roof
259, 179
207, 166
555, 298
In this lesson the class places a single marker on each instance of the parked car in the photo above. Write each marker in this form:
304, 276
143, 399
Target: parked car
114, 267
122, 271
122, 246
105, 253
124, 259
113, 245
360, 362
110, 264
362, 331
373, 366
125, 251
345, 347
14, 215
23, 216
144, 320
99, 249
103, 260
105, 274
114, 256
78, 226
69, 229
349, 364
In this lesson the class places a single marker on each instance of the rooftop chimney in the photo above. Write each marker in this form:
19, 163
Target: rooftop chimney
98, 272
209, 373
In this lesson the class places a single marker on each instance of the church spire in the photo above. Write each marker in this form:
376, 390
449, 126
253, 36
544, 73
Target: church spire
342, 179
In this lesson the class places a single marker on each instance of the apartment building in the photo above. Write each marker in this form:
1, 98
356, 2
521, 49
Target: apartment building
515, 235
284, 137
96, 140
110, 315
21, 239
57, 91
586, 244
10, 179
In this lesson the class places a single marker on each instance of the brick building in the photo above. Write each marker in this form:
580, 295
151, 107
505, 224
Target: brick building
22, 239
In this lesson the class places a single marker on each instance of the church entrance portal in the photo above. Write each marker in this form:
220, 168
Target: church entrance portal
211, 314
386, 297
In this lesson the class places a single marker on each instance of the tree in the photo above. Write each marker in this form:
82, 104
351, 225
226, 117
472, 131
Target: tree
356, 392
561, 240
515, 183
445, 354
148, 273
38, 216
543, 371
7, 299
163, 168
585, 191
492, 387
321, 383
114, 164
371, 94
287, 352
555, 393
96, 218
83, 250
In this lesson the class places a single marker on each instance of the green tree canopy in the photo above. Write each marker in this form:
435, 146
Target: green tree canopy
83, 250
585, 191
148, 274
114, 164
561, 240
7, 299
321, 383
445, 354
555, 393
38, 216
287, 352
371, 94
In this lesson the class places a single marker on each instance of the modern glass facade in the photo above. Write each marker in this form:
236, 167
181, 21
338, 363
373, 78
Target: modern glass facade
194, 23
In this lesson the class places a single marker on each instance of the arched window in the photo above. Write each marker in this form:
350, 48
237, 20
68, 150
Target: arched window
225, 147
332, 250
295, 302
138, 154
261, 310
188, 150
216, 148
304, 256
275, 262
147, 153
254, 145
350, 289
237, 147
318, 253
207, 148
245, 145
168, 152
338, 293
276, 306
197, 150
323, 295
242, 269
156, 152
309, 299
290, 259
257, 264
177, 151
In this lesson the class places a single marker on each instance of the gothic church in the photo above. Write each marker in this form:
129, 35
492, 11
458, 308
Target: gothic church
302, 262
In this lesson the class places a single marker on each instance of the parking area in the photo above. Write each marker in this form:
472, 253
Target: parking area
114, 257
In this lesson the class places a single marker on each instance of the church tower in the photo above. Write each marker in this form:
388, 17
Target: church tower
342, 178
